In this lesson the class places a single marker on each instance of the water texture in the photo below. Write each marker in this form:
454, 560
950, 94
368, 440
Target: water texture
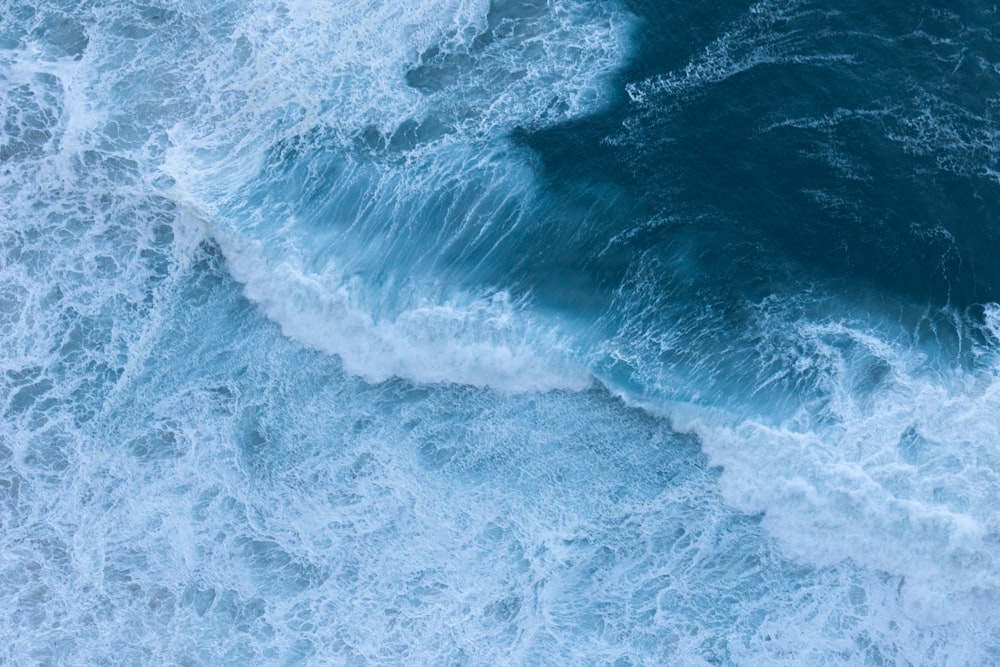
488, 332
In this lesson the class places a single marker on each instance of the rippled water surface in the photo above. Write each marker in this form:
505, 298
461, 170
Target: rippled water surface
469, 332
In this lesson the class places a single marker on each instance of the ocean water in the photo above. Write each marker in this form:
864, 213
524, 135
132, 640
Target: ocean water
499, 332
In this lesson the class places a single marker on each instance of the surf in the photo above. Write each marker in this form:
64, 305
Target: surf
474, 331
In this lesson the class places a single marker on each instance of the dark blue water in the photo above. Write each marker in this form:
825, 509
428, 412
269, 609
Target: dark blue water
516, 332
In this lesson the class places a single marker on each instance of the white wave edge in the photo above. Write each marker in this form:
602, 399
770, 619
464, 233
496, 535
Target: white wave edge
904, 483
478, 341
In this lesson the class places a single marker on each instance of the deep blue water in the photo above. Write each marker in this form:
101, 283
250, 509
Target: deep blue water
525, 332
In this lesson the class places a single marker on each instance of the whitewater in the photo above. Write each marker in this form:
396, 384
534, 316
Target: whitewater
499, 332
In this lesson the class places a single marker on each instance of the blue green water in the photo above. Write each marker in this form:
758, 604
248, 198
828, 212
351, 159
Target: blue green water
524, 332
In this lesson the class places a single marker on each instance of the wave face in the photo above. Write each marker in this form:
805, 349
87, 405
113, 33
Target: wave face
481, 332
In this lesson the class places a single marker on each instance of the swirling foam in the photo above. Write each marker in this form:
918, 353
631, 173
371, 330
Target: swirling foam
408, 101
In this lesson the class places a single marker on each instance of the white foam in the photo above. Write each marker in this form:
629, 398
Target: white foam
458, 77
299, 65
991, 314
481, 341
900, 476
178, 475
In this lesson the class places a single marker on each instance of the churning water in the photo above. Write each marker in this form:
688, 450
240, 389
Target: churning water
499, 332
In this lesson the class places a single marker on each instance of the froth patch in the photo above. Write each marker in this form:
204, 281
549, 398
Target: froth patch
899, 477
992, 320
479, 341
416, 104
466, 70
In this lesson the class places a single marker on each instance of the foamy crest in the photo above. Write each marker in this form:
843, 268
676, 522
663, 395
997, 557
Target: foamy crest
181, 485
485, 341
376, 142
896, 470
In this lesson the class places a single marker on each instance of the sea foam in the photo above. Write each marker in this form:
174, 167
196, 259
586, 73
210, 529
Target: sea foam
362, 147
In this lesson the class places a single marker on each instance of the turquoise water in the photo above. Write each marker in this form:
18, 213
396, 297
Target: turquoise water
475, 333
